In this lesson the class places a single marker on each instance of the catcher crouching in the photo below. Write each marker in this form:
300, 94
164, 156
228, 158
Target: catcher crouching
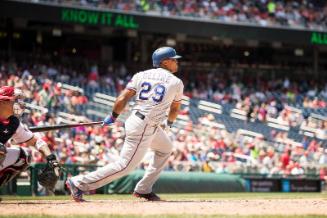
13, 161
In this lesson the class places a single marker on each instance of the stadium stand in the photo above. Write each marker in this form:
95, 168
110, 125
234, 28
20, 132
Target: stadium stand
251, 105
205, 131
292, 14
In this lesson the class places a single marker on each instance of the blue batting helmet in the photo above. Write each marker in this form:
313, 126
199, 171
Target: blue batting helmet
163, 53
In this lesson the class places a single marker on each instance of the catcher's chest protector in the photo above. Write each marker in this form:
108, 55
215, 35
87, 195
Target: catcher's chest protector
8, 128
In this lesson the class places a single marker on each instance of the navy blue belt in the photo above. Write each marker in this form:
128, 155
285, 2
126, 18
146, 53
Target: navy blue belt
138, 114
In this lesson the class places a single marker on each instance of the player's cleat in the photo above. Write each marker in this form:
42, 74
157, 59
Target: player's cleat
76, 193
149, 197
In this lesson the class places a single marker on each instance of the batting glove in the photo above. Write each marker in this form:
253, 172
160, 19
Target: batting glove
108, 120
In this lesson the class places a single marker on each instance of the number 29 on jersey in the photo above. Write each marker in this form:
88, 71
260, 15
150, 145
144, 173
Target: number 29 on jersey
156, 95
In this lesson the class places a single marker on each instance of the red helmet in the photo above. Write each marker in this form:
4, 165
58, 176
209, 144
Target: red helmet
7, 93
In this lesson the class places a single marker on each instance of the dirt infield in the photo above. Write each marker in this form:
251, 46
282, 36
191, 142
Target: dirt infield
227, 207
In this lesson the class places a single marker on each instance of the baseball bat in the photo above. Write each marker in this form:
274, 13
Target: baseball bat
61, 126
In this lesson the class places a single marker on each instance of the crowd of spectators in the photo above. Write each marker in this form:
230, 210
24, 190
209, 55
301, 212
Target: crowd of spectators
220, 151
260, 97
197, 146
230, 87
288, 101
294, 13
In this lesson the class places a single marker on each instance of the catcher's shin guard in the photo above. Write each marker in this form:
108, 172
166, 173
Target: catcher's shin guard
19, 166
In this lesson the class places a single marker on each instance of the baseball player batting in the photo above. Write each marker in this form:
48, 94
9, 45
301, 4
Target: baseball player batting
157, 91
15, 160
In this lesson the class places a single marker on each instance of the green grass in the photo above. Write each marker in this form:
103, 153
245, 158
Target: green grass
193, 196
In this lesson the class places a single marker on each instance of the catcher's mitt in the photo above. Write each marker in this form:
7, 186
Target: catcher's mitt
50, 174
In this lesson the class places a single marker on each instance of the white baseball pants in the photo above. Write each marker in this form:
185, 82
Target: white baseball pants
140, 136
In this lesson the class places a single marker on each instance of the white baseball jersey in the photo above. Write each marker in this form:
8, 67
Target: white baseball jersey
155, 90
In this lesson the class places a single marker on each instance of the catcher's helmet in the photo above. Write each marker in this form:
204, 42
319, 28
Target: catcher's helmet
163, 53
7, 93
10, 93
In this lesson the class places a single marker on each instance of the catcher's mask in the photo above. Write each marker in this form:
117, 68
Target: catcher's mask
15, 95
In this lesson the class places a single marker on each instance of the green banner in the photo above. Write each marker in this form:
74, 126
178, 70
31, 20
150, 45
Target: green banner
319, 38
181, 182
54, 15
87, 17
